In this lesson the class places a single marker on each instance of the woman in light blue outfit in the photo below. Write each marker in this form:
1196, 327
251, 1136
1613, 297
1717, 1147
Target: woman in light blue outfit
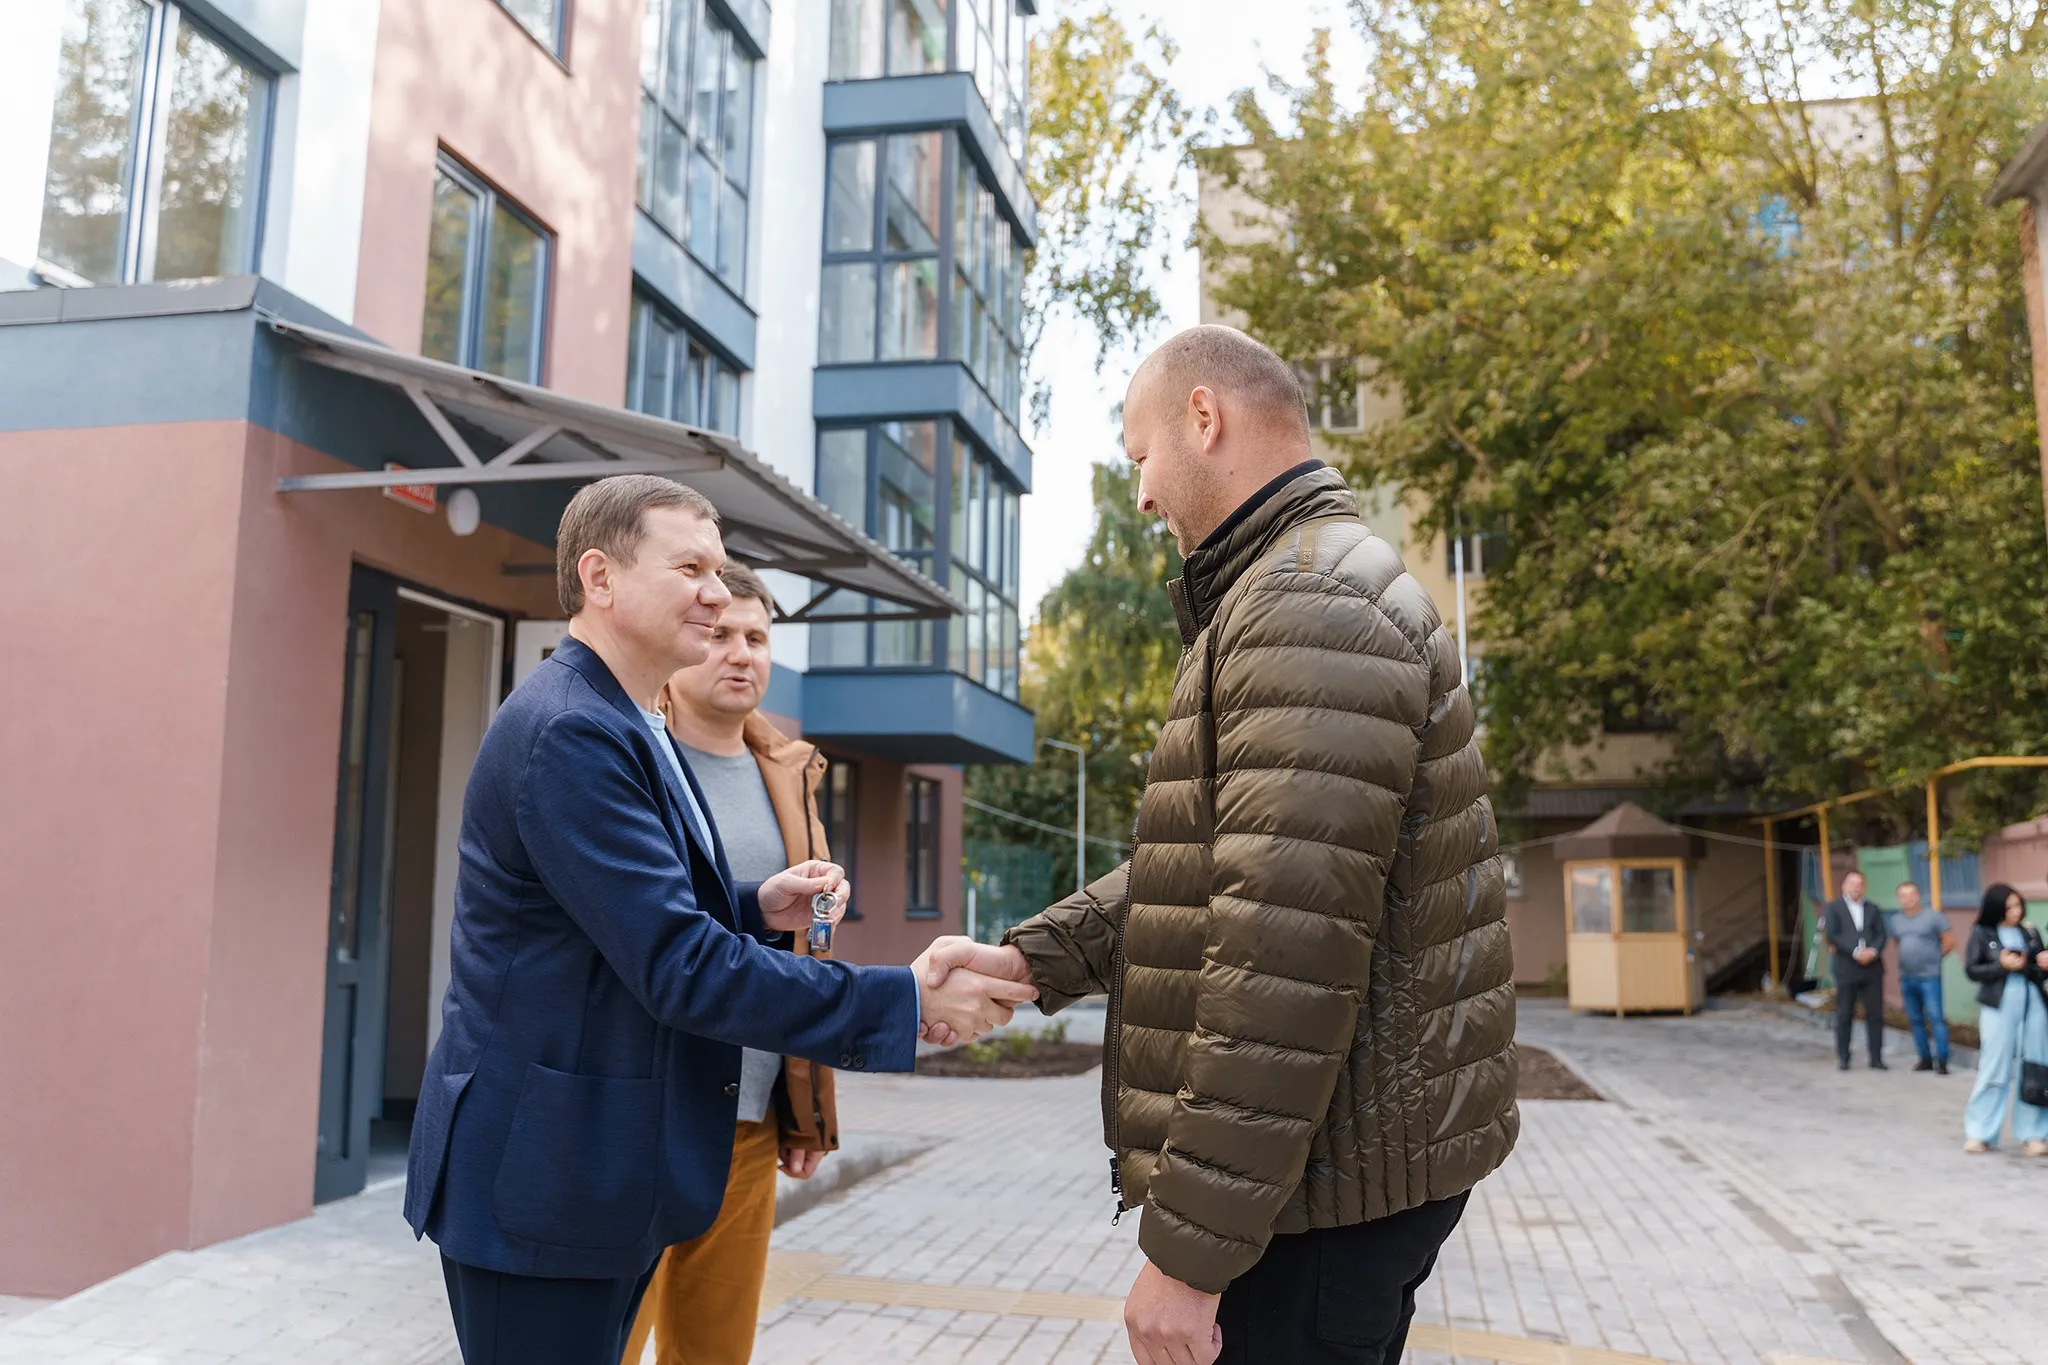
2006, 960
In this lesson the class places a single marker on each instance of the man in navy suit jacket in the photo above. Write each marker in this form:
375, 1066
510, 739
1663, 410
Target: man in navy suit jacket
577, 1113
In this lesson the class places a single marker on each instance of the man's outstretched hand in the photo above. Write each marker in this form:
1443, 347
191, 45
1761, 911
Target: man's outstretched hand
1171, 1323
786, 897
969, 988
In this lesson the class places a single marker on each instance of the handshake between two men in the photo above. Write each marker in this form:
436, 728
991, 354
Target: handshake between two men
965, 988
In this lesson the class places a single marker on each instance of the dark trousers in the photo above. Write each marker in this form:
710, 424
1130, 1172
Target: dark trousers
1335, 1296
1853, 983
503, 1319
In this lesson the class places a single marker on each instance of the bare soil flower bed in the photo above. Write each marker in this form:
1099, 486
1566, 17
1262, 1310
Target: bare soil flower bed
1543, 1077
1043, 1059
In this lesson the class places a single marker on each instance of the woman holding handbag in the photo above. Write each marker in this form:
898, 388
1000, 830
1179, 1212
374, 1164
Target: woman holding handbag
2006, 960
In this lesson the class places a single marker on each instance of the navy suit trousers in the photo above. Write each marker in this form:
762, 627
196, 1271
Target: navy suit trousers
503, 1319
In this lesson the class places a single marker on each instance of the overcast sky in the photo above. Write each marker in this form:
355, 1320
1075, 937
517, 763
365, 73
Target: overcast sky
1225, 45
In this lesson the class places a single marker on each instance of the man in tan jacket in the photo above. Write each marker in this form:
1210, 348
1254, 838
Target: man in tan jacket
762, 789
1309, 1055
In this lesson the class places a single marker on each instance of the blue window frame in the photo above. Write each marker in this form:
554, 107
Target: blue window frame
487, 279
874, 38
696, 133
919, 263
671, 374
928, 493
921, 848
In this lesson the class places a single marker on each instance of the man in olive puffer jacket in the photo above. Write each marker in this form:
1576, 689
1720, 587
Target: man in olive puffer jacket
1310, 1057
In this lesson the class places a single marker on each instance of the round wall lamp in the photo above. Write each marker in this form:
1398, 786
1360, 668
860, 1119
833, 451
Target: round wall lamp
465, 514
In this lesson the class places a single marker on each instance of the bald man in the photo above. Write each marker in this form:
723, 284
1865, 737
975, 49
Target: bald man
1309, 1060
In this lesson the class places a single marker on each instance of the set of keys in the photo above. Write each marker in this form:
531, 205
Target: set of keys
819, 935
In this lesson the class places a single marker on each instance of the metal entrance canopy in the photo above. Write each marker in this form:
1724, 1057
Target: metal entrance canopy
530, 435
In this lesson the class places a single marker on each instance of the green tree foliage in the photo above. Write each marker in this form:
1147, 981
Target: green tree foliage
1104, 123
1097, 673
1106, 144
1743, 375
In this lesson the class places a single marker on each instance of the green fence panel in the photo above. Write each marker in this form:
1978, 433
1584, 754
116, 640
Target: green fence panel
1012, 882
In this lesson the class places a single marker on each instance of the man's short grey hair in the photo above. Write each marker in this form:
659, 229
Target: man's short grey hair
1235, 367
611, 515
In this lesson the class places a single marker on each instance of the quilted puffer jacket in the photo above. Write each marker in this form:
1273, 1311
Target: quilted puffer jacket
1311, 1009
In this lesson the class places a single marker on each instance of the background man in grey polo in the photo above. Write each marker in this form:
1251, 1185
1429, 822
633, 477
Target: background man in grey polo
1924, 939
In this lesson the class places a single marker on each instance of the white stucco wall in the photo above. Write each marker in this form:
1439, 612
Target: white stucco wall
314, 227
28, 90
789, 215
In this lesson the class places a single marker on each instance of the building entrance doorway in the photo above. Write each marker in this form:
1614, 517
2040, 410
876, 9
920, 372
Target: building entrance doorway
423, 678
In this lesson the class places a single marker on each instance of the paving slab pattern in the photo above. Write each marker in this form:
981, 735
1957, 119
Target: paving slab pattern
1737, 1202
1860, 1174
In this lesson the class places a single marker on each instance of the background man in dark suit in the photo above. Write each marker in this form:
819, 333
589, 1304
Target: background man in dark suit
577, 1114
1856, 929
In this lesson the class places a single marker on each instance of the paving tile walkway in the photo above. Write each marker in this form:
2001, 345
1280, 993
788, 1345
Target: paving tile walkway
1736, 1203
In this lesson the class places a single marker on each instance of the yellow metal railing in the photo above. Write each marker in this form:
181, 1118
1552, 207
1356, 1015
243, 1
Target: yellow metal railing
1819, 810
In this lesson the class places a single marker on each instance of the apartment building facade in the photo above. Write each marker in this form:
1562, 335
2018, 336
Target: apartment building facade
313, 313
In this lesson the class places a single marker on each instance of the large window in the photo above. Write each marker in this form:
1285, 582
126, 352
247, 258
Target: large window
884, 478
913, 272
886, 38
671, 374
156, 150
988, 290
487, 279
885, 201
898, 480
873, 38
992, 45
838, 803
696, 132
1331, 389
921, 848
982, 571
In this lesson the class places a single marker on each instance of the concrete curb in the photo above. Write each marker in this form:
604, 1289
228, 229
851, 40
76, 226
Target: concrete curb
860, 1155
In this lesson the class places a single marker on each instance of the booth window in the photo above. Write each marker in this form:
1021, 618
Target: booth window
1592, 900
156, 150
921, 847
1649, 900
487, 279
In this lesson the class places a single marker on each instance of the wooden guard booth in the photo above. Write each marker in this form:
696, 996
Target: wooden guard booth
1628, 894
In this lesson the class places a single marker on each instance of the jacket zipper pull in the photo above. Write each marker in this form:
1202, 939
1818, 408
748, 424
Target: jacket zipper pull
1116, 1187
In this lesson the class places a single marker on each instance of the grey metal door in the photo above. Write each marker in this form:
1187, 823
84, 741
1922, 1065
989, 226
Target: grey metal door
352, 1051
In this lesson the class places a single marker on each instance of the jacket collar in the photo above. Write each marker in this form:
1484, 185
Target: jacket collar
598, 674
1302, 494
581, 657
773, 748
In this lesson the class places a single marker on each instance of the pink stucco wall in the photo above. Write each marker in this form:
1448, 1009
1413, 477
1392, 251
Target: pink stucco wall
2018, 856
556, 138
114, 706
172, 718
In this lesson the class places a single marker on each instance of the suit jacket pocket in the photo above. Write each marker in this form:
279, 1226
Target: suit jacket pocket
580, 1159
